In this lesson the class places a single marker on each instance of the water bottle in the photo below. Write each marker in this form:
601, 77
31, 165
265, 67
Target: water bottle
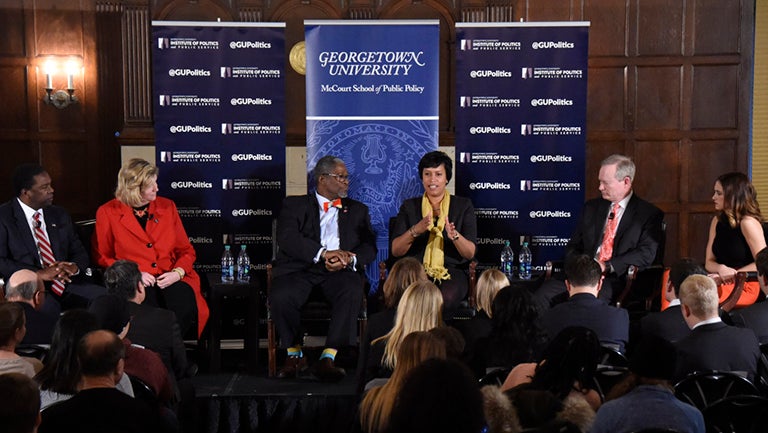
525, 258
227, 266
243, 266
507, 260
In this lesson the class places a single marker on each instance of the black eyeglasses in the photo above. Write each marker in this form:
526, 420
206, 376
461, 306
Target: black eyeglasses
339, 177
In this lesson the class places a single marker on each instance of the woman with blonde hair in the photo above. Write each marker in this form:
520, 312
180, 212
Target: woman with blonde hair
735, 235
488, 285
420, 309
377, 405
140, 226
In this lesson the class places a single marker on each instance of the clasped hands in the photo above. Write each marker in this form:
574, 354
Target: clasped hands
162, 281
425, 224
59, 271
337, 260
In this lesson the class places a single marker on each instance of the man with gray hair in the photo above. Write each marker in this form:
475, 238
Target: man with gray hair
712, 345
26, 288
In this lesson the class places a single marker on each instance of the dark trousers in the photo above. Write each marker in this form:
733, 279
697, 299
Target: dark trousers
342, 289
454, 291
76, 295
179, 298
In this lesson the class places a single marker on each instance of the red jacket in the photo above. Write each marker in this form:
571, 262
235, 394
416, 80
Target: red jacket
163, 246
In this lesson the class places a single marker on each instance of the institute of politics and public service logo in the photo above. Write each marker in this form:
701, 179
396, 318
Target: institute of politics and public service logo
487, 158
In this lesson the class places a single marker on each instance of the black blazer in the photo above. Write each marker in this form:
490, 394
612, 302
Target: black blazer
461, 212
611, 324
637, 237
158, 330
668, 324
18, 249
754, 317
717, 346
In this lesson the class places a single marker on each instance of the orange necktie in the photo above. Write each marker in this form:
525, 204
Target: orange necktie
336, 203
606, 248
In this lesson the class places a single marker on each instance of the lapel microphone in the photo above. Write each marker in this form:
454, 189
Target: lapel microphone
611, 215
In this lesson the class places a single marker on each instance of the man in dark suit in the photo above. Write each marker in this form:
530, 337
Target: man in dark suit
669, 324
583, 280
27, 289
634, 240
712, 345
27, 218
325, 241
755, 317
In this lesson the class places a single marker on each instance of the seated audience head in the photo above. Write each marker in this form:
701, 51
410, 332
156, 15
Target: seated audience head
761, 261
404, 272
101, 354
25, 286
653, 361
32, 185
438, 395
616, 175
112, 314
678, 272
739, 197
435, 159
569, 361
515, 329
61, 371
699, 299
582, 275
123, 279
488, 285
420, 309
19, 403
12, 325
452, 340
132, 179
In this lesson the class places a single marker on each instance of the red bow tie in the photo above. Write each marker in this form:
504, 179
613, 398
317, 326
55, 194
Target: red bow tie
336, 203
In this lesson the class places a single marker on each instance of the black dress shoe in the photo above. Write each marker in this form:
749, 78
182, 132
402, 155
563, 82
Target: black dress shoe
293, 365
326, 371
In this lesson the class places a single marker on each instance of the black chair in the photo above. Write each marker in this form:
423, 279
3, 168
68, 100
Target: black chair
84, 230
701, 389
37, 351
611, 356
608, 376
737, 414
741, 278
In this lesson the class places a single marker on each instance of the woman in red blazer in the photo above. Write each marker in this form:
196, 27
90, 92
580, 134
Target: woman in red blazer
138, 225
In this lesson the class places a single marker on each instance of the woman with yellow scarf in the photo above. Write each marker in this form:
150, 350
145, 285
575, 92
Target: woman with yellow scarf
440, 229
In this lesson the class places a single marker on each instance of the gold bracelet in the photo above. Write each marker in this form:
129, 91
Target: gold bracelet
179, 271
455, 238
413, 233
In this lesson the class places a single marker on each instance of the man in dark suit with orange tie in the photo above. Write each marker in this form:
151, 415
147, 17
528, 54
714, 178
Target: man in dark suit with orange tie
36, 235
325, 241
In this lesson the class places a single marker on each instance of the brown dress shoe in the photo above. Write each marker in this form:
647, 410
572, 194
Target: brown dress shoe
293, 365
326, 371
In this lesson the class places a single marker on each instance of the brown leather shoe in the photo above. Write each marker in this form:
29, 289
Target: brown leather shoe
326, 370
293, 365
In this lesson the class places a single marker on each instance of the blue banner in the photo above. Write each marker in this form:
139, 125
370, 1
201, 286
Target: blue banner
372, 100
521, 132
220, 132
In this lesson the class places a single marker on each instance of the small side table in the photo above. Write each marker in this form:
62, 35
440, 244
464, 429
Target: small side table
218, 290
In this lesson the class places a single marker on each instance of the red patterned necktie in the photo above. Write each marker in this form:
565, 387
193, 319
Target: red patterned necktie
336, 203
606, 248
46, 253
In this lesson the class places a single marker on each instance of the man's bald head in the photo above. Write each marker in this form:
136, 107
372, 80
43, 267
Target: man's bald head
23, 285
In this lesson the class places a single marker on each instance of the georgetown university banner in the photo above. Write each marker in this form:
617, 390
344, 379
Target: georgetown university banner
219, 111
372, 100
520, 132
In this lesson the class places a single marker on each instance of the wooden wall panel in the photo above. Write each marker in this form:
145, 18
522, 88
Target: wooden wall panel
14, 116
13, 42
708, 160
650, 170
716, 26
658, 97
607, 92
608, 29
659, 27
715, 97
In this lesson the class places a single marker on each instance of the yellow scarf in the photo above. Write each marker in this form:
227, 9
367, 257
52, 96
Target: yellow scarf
434, 256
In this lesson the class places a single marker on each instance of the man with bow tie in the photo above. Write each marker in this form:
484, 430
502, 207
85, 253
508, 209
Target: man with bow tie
325, 241
36, 235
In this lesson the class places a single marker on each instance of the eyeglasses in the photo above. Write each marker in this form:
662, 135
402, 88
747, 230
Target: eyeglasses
339, 177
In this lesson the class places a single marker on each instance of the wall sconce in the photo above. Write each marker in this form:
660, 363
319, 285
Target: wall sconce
70, 65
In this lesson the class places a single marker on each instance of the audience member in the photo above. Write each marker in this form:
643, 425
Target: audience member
36, 235
478, 327
11, 333
376, 407
152, 327
646, 399
420, 309
438, 396
452, 340
712, 345
669, 324
27, 289
438, 228
326, 240
755, 317
404, 272
735, 235
566, 369
60, 375
98, 406
583, 280
19, 404
112, 314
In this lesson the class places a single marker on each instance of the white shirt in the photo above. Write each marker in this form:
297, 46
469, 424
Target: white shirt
29, 214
